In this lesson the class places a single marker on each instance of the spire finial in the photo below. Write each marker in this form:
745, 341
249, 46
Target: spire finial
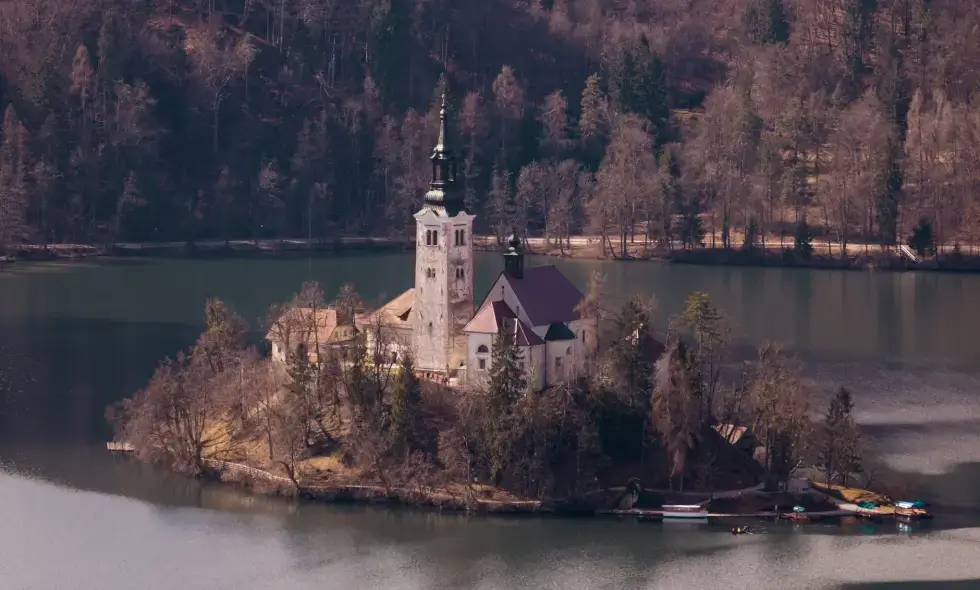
443, 135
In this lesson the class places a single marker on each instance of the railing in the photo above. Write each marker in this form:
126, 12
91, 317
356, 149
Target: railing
907, 252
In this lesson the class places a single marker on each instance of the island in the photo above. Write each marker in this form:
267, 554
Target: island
540, 398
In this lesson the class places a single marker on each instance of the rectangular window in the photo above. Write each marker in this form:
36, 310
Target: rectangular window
557, 363
483, 364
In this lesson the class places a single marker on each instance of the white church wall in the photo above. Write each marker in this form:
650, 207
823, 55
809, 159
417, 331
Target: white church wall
475, 374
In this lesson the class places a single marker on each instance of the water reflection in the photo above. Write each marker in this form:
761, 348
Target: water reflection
78, 338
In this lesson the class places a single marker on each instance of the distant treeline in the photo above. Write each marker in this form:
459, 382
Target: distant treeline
161, 120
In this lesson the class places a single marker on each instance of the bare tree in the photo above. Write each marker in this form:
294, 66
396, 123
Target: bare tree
623, 181
780, 401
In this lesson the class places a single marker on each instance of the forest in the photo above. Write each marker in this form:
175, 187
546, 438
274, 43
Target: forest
703, 122
648, 407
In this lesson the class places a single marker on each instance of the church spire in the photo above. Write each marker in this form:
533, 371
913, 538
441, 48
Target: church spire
442, 189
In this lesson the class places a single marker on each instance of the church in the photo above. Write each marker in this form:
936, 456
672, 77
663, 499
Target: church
449, 338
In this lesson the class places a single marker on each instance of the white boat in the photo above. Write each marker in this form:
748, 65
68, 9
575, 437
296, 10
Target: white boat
685, 511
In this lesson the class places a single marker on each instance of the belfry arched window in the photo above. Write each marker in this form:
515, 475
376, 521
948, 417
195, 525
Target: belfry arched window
428, 237
462, 237
435, 237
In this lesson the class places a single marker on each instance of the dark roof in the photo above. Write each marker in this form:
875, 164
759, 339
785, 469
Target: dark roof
546, 295
559, 331
526, 336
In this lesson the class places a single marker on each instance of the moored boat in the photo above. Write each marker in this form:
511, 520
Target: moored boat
910, 510
795, 516
911, 513
685, 511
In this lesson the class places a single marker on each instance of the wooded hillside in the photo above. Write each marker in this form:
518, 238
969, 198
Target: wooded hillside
176, 119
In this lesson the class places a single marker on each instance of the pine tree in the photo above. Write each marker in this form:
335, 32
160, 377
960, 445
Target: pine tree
300, 372
593, 122
507, 379
507, 384
405, 408
632, 351
923, 239
803, 240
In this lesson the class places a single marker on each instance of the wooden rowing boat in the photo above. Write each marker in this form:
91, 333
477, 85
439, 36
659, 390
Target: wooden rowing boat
685, 512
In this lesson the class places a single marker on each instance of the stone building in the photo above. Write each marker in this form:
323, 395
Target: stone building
435, 319
540, 307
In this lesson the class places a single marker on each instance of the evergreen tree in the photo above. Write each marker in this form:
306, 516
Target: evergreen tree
803, 240
887, 204
300, 372
593, 122
691, 230
641, 88
507, 379
923, 240
633, 351
507, 384
405, 407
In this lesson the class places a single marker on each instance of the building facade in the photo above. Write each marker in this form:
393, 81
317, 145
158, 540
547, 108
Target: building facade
539, 308
435, 321
443, 265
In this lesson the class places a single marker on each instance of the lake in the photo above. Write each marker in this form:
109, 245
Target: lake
75, 337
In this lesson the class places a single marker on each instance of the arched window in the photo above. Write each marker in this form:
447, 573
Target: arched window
462, 237
482, 349
428, 237
435, 237
430, 327
569, 351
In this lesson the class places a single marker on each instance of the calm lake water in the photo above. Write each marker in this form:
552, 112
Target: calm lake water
75, 337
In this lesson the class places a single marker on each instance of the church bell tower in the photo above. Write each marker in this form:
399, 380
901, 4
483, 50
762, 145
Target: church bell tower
443, 264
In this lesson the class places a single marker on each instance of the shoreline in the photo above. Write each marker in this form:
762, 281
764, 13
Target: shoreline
602, 506
581, 248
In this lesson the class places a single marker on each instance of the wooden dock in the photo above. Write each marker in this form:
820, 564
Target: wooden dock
644, 514
120, 447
